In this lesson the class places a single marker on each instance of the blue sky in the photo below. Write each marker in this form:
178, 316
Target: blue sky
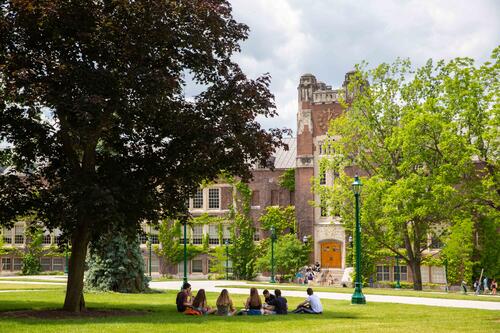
327, 38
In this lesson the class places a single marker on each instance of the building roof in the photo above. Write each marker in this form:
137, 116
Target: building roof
285, 159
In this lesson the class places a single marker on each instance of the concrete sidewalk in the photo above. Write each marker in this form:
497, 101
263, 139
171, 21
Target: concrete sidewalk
213, 286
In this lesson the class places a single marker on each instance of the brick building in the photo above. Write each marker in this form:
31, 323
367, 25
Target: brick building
317, 104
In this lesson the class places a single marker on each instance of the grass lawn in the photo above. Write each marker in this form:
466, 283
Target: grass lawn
339, 316
60, 280
23, 286
378, 291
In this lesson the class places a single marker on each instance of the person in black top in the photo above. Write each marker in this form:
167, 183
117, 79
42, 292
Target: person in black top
279, 304
183, 299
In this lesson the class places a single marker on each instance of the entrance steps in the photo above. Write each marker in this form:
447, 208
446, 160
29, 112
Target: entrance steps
328, 277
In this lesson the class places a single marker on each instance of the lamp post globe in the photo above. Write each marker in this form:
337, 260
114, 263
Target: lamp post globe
357, 296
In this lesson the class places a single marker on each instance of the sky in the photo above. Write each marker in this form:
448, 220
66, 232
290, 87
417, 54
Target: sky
328, 37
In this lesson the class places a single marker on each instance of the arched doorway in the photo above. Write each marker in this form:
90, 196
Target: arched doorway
331, 254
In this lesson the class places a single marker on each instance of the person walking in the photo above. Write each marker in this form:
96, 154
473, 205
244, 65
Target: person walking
485, 284
494, 287
477, 287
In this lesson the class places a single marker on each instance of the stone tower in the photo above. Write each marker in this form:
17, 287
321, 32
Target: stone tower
317, 105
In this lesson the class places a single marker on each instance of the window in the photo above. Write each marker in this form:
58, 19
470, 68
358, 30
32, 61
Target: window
382, 273
18, 264
197, 266
6, 264
7, 236
198, 234
325, 148
213, 234
45, 262
213, 198
154, 239
323, 209
229, 266
198, 199
47, 239
19, 234
57, 264
155, 264
322, 177
143, 238
226, 233
256, 235
255, 198
275, 198
404, 273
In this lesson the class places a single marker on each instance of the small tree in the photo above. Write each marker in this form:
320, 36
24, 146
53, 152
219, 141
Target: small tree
115, 263
290, 256
281, 218
31, 258
218, 261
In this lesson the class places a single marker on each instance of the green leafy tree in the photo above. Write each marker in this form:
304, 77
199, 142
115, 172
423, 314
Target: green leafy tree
287, 180
290, 255
218, 261
31, 258
92, 102
281, 218
403, 131
115, 263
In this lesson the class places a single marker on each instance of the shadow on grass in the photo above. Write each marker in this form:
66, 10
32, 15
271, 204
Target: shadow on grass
155, 314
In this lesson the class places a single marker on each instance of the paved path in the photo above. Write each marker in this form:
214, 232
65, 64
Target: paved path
214, 287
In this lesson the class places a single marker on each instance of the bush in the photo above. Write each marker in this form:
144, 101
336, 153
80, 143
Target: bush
115, 264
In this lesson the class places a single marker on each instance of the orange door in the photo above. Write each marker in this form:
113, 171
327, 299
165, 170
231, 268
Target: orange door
331, 255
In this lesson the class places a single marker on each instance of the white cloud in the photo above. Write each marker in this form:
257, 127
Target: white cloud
327, 38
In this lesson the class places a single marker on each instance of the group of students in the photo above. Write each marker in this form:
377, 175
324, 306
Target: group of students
273, 304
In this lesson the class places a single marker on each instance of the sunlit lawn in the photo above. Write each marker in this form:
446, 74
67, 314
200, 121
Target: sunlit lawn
25, 286
339, 316
378, 291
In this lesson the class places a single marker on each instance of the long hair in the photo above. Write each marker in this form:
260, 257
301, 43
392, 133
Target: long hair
200, 299
223, 298
255, 298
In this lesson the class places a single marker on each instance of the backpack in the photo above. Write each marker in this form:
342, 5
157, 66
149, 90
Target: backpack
192, 312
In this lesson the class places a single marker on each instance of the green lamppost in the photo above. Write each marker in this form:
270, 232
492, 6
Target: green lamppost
358, 297
184, 223
273, 238
446, 274
226, 242
398, 273
150, 252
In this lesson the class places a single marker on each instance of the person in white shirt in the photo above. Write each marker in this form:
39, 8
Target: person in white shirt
311, 305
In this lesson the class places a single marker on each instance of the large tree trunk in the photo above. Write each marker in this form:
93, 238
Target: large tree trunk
74, 301
414, 257
416, 274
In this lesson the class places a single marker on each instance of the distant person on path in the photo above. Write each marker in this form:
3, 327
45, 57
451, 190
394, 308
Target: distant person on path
317, 267
225, 304
183, 299
464, 287
300, 277
494, 287
200, 303
477, 287
279, 304
253, 304
311, 305
485, 284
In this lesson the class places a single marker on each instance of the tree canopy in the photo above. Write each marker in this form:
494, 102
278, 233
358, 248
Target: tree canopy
92, 103
427, 142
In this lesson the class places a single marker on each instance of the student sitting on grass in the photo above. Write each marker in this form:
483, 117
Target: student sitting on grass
200, 303
311, 305
268, 299
253, 305
183, 300
225, 304
279, 305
